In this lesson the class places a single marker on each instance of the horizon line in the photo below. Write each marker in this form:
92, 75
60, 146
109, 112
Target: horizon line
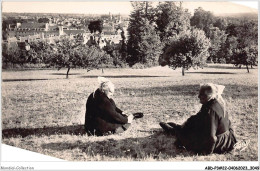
247, 12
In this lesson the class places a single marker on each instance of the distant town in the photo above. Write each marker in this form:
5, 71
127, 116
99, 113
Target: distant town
23, 28
166, 33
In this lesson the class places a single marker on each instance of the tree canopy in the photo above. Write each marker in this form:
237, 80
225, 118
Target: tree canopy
96, 25
218, 39
43, 20
171, 19
142, 34
189, 49
203, 20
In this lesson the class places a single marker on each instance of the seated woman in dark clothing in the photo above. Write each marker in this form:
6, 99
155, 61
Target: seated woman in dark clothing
102, 116
209, 131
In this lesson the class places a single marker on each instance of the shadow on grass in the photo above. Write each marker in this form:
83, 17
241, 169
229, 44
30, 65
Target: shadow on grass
234, 91
222, 67
157, 146
13, 80
175, 90
210, 73
64, 74
24, 69
24, 132
228, 67
122, 76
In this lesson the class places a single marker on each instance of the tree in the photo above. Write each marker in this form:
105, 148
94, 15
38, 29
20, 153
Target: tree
171, 19
64, 54
79, 39
247, 33
143, 44
134, 36
11, 53
145, 9
5, 27
231, 29
90, 57
33, 56
123, 48
118, 52
150, 47
96, 25
228, 49
70, 54
189, 49
43, 20
5, 57
247, 43
40, 52
217, 39
203, 20
221, 23
246, 56
110, 49
134, 29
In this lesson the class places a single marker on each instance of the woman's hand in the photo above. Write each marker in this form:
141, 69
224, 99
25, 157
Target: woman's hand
130, 118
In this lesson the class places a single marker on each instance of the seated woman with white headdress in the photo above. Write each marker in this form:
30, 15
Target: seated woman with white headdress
209, 131
102, 116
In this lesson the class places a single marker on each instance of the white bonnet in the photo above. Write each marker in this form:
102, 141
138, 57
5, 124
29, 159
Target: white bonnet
217, 90
104, 82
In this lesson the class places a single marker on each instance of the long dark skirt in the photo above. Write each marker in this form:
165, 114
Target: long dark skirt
192, 141
225, 142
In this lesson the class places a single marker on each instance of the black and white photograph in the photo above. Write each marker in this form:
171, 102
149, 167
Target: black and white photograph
128, 81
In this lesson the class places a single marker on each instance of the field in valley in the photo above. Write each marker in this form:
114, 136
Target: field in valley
44, 112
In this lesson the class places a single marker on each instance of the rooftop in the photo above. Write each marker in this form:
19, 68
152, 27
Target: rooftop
32, 25
73, 31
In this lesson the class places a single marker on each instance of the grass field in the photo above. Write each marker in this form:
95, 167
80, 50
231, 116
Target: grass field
44, 112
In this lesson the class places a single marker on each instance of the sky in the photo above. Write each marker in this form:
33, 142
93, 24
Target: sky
251, 4
123, 7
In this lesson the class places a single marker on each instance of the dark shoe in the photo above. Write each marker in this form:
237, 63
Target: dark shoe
138, 115
167, 128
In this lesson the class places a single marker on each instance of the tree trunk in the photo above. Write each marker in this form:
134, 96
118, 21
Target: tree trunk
67, 75
251, 66
247, 68
102, 71
146, 9
183, 72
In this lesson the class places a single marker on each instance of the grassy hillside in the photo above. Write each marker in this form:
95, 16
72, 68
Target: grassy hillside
44, 112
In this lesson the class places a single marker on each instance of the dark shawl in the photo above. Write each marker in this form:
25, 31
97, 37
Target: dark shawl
102, 115
208, 131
